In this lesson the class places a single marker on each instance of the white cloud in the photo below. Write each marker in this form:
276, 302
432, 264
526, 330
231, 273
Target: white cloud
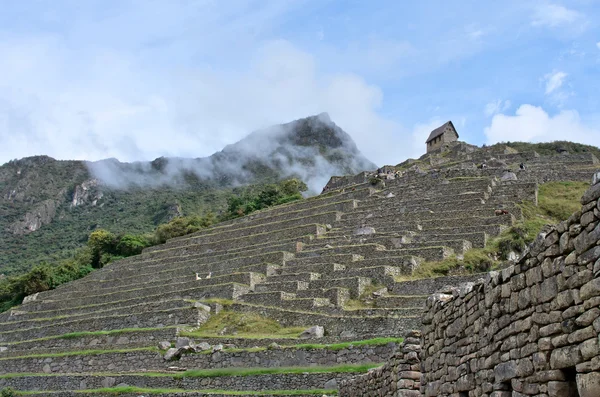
552, 15
534, 124
109, 104
496, 106
554, 81
598, 45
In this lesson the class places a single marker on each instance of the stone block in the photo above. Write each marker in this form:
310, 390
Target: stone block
559, 389
565, 357
590, 289
588, 385
505, 371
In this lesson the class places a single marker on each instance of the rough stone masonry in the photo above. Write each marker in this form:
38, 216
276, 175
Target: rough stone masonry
531, 329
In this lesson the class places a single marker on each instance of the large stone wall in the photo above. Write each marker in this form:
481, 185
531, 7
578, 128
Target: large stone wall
400, 376
532, 329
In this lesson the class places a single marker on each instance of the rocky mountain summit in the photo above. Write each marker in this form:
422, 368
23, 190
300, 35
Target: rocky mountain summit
50, 205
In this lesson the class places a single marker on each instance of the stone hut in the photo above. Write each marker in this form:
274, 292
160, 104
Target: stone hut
444, 134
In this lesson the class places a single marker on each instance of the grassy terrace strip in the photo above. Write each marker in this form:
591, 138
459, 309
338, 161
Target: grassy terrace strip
245, 304
82, 353
115, 316
130, 389
220, 372
306, 346
238, 238
83, 334
245, 227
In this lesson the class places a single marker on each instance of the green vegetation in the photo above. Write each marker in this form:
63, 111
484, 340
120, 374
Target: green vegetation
82, 353
131, 389
232, 371
345, 345
556, 202
8, 392
266, 196
243, 325
551, 148
82, 334
104, 246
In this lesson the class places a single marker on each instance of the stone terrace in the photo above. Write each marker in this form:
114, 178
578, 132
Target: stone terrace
303, 264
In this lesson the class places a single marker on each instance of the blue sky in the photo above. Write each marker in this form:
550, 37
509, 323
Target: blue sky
141, 79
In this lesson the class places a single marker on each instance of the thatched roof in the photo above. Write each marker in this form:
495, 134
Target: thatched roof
440, 130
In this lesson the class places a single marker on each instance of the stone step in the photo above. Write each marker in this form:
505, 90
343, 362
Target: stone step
80, 383
396, 223
381, 274
183, 281
191, 266
160, 274
309, 304
364, 214
429, 286
276, 214
257, 253
406, 264
285, 286
398, 206
430, 254
336, 295
185, 316
459, 246
179, 393
299, 276
223, 291
386, 312
342, 259
40, 319
270, 236
320, 268
229, 235
439, 191
356, 285
100, 296
356, 249
379, 326
477, 239
117, 338
400, 301
269, 298
121, 361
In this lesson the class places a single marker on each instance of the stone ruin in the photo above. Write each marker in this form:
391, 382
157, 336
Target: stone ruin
530, 329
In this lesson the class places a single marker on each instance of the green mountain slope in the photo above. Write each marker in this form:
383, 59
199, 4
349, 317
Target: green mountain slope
48, 207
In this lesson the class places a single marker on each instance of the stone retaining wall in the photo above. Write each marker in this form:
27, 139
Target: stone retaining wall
152, 360
400, 376
531, 329
302, 381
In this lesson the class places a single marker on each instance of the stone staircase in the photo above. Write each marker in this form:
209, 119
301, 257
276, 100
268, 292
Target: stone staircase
302, 264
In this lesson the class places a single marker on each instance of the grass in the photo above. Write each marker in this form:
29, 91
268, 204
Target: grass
212, 373
82, 353
132, 389
345, 345
83, 334
233, 371
556, 202
243, 325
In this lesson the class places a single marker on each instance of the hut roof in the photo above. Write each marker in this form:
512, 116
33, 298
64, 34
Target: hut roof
440, 130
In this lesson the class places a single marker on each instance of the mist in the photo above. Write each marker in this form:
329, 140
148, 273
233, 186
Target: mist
312, 149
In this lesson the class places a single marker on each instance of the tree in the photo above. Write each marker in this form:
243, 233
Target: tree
130, 244
101, 242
